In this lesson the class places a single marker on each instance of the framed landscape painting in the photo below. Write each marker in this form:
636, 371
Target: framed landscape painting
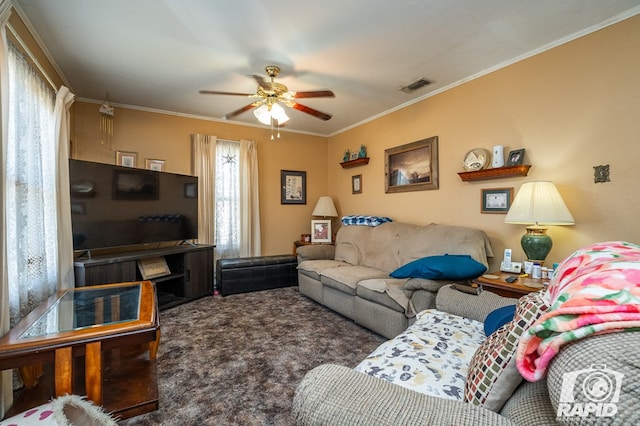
412, 167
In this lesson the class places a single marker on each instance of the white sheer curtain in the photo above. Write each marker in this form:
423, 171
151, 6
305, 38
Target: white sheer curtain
6, 388
227, 199
204, 166
64, 99
250, 240
30, 197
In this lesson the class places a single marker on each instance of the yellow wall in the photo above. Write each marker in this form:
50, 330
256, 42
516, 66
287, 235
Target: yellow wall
571, 108
167, 137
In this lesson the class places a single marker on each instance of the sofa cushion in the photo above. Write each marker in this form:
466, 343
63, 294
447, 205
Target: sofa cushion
314, 268
493, 375
498, 318
446, 267
430, 357
346, 279
384, 291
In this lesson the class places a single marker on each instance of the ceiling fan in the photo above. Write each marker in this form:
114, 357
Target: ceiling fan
270, 94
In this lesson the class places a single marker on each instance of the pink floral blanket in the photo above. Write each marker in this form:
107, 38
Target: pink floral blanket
594, 291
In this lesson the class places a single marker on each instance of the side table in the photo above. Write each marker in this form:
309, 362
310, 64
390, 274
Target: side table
495, 282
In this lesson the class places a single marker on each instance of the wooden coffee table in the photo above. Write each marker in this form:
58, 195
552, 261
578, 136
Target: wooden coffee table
88, 322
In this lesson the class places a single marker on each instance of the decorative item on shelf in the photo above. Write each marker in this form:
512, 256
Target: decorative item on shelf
106, 122
321, 229
346, 156
498, 157
538, 204
476, 159
151, 164
363, 151
516, 157
354, 156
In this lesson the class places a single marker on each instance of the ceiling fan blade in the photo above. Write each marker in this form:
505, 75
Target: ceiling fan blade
311, 111
261, 81
314, 94
241, 110
215, 92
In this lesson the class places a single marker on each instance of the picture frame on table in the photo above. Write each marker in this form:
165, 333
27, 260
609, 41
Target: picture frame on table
412, 167
321, 231
126, 158
293, 187
496, 200
515, 157
356, 184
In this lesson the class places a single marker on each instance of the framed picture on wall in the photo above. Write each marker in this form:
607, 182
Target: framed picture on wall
157, 165
126, 159
496, 200
356, 184
293, 187
412, 167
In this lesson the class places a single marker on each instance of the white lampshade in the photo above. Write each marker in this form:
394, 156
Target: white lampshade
325, 207
539, 203
264, 114
277, 112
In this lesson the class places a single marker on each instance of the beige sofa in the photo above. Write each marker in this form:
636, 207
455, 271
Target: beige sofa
353, 279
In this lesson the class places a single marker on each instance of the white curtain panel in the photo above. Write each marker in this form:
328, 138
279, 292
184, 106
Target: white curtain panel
64, 99
6, 387
204, 167
250, 240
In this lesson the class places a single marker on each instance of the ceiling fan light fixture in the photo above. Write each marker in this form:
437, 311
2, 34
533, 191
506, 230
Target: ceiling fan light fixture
263, 114
277, 112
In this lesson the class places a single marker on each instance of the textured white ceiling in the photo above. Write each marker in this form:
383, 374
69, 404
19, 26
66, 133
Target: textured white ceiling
157, 54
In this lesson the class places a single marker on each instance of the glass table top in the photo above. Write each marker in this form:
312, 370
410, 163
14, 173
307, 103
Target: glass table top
85, 308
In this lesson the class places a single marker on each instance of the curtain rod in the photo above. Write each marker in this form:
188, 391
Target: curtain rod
32, 57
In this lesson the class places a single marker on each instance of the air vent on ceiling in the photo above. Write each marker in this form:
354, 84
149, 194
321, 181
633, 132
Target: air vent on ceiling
418, 84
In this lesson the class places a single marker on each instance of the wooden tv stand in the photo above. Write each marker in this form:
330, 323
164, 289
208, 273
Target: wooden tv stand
191, 271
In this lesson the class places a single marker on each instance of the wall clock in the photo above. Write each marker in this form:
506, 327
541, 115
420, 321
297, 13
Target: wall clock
476, 159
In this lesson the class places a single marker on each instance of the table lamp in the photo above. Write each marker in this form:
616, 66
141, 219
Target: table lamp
538, 204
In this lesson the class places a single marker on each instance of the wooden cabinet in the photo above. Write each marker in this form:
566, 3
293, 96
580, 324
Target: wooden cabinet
190, 272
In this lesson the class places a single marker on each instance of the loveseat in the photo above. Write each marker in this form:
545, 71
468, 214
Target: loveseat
576, 344
352, 277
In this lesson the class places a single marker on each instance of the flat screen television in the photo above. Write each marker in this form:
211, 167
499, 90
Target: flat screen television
115, 206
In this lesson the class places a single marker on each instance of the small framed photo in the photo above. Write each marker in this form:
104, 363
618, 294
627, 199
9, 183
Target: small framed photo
190, 190
516, 157
356, 184
157, 165
321, 231
496, 200
354, 156
293, 187
126, 159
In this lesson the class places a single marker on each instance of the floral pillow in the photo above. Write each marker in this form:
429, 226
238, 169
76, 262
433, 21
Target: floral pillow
493, 375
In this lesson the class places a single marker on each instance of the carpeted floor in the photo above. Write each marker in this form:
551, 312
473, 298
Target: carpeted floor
236, 360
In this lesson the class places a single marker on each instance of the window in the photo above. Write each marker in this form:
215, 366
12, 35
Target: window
227, 199
30, 188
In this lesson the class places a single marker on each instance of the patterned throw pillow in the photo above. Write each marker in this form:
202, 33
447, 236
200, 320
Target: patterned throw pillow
492, 375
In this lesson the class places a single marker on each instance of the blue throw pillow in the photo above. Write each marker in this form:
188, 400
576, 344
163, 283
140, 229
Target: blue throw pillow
447, 267
498, 318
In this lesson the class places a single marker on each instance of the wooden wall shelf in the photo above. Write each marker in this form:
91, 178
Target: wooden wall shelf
355, 163
500, 172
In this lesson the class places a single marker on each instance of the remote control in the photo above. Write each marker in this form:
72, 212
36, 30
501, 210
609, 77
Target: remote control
511, 278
